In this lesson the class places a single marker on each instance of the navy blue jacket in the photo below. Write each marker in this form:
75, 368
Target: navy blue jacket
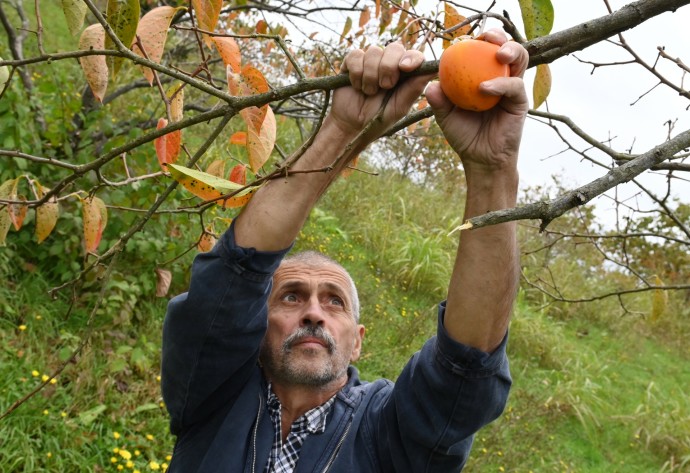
216, 393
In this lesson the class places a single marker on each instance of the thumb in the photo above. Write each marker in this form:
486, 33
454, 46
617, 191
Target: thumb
438, 101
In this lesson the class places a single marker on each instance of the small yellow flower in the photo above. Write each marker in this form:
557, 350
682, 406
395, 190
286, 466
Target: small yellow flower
115, 450
154, 465
49, 454
113, 460
158, 378
63, 414
120, 467
35, 373
129, 464
45, 378
116, 435
168, 457
53, 381
164, 466
137, 453
125, 454
38, 317
46, 412
22, 327
149, 437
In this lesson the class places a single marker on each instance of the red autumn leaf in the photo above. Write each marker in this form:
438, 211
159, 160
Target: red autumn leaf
238, 174
210, 187
95, 67
207, 14
95, 218
153, 32
260, 143
239, 138
167, 146
229, 52
18, 212
163, 280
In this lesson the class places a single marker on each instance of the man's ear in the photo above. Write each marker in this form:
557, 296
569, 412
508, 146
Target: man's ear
357, 348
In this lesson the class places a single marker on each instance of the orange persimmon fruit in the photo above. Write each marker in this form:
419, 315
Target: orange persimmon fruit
466, 64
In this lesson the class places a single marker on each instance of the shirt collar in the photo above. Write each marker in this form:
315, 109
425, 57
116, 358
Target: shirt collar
312, 421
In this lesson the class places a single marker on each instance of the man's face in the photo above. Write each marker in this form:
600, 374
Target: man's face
312, 335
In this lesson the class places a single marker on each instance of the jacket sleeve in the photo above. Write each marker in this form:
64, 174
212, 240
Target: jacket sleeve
444, 395
212, 333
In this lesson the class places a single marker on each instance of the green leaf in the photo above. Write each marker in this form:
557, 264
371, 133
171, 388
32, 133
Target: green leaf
542, 85
537, 16
75, 11
87, 417
123, 18
4, 76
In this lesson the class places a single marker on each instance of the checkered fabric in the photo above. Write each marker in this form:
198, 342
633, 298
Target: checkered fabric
284, 455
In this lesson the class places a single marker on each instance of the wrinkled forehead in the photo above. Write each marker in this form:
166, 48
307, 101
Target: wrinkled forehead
311, 272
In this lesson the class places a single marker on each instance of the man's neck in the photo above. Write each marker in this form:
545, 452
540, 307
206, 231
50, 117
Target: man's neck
296, 400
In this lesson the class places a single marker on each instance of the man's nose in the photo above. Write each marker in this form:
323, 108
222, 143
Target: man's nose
313, 313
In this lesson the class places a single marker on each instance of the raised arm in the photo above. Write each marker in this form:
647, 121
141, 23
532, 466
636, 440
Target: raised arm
275, 215
485, 276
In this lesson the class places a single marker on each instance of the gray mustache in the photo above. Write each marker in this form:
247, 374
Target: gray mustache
310, 332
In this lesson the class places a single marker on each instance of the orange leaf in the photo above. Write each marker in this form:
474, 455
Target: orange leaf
216, 168
229, 51
95, 67
207, 14
349, 169
206, 242
18, 212
378, 8
153, 32
163, 280
261, 27
239, 138
95, 218
260, 144
46, 215
364, 17
238, 174
451, 19
167, 146
253, 82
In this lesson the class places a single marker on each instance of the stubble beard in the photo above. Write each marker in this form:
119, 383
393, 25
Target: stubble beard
299, 366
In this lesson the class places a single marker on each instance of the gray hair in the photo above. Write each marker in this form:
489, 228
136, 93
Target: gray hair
316, 259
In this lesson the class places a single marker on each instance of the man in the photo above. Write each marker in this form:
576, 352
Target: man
256, 354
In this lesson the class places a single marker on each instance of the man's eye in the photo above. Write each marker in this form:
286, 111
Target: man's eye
290, 297
337, 301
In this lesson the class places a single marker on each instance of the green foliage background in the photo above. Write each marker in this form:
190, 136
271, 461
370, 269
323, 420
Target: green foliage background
596, 388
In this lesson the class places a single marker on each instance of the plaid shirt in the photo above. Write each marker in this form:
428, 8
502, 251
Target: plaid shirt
284, 456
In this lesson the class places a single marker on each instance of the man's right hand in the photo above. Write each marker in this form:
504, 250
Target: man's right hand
374, 73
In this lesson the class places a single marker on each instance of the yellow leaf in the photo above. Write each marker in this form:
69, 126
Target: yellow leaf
260, 143
542, 85
18, 212
452, 18
5, 223
95, 218
123, 18
347, 28
163, 280
210, 187
46, 215
95, 67
216, 168
75, 11
153, 32
659, 300
176, 97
